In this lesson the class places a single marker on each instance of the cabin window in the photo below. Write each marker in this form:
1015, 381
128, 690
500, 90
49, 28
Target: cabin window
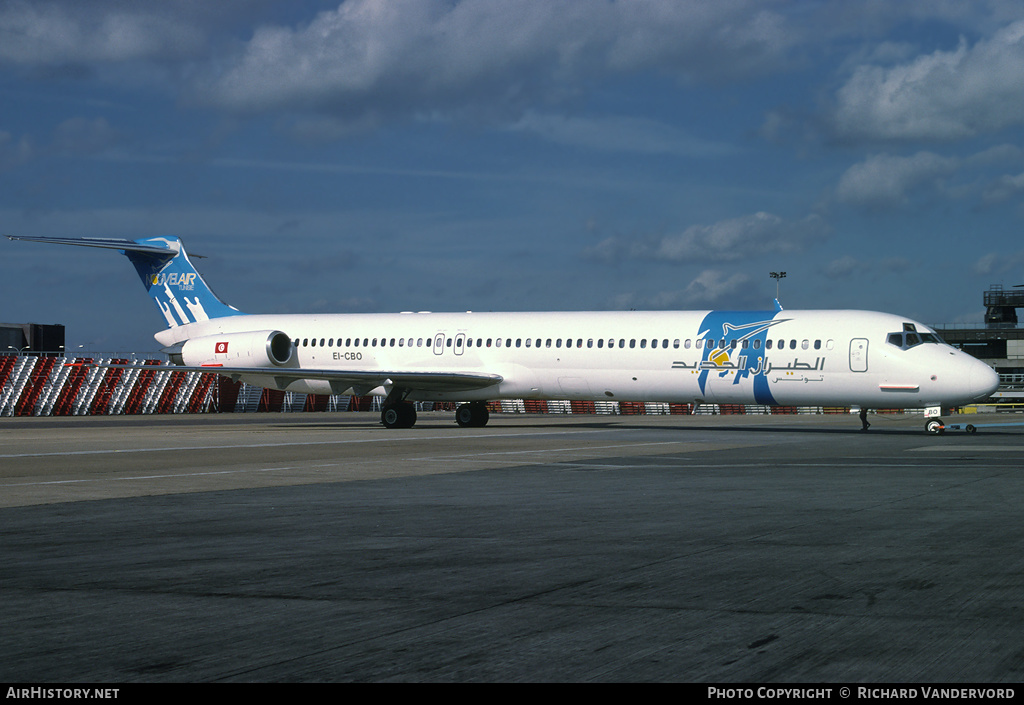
768, 344
757, 343
497, 343
419, 342
579, 342
829, 344
558, 342
600, 342
529, 341
686, 344
547, 343
643, 343
654, 343
590, 342
817, 345
805, 344
698, 343
508, 342
792, 345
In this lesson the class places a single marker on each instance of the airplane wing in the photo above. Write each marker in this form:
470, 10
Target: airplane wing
361, 381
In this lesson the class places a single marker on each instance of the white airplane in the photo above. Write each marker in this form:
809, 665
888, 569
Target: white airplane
779, 357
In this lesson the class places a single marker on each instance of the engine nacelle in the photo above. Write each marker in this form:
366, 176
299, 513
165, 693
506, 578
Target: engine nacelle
261, 348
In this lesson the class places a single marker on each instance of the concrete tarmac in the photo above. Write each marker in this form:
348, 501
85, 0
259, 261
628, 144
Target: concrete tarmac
323, 547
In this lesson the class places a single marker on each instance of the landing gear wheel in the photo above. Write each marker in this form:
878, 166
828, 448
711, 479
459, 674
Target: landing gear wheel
935, 426
400, 415
472, 415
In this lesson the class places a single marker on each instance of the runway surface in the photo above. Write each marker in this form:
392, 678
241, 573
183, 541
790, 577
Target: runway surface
323, 547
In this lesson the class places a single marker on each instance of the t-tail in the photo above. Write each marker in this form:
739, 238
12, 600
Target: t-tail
172, 282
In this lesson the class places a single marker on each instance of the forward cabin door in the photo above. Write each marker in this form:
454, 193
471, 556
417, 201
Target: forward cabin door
859, 355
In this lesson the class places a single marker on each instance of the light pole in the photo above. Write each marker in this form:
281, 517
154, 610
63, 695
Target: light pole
777, 276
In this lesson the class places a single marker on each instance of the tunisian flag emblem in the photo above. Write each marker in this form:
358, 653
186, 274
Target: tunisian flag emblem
222, 348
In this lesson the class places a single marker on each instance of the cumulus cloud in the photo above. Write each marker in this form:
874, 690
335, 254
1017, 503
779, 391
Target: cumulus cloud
14, 151
418, 56
728, 240
944, 95
709, 288
885, 181
998, 263
78, 136
849, 266
1004, 188
49, 33
618, 134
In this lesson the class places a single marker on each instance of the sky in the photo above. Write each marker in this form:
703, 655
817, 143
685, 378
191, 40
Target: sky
452, 155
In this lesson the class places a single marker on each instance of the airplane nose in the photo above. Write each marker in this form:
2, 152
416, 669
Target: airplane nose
983, 381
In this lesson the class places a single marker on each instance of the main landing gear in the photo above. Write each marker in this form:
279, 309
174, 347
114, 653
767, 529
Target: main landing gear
472, 415
400, 414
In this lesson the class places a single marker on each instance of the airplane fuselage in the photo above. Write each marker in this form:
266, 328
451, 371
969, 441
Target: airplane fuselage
790, 358
815, 357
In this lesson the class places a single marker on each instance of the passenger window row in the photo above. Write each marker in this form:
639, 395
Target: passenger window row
632, 343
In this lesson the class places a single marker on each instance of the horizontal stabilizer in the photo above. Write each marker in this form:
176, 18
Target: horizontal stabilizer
171, 281
109, 243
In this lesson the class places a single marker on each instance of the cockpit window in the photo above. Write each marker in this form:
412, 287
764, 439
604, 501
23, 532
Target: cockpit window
910, 338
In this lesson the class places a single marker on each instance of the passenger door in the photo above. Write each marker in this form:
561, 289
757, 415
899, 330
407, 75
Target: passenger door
859, 355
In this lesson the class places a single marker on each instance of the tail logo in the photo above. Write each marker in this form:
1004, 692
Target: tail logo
184, 281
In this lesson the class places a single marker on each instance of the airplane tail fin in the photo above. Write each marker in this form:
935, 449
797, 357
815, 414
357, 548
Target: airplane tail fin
167, 273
